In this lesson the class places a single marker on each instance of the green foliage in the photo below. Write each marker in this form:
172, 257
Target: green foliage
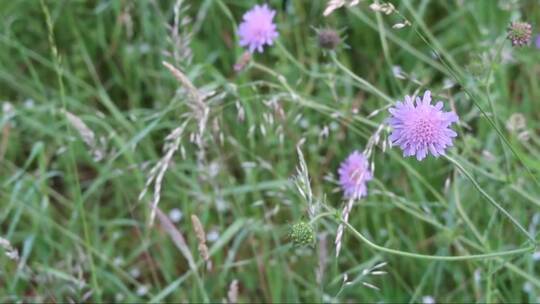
87, 105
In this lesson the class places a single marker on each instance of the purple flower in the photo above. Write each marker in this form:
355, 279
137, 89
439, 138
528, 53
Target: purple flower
257, 29
519, 33
353, 173
537, 41
421, 128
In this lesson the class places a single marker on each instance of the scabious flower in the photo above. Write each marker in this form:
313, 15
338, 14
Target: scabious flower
257, 29
354, 173
519, 33
421, 128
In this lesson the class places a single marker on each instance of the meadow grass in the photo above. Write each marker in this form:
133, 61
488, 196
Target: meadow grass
137, 165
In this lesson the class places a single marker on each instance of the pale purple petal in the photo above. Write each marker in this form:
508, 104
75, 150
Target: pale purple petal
353, 173
421, 128
257, 28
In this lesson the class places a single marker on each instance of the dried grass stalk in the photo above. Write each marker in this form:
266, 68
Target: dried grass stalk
201, 238
87, 135
172, 142
10, 251
176, 237
195, 101
303, 183
333, 5
232, 295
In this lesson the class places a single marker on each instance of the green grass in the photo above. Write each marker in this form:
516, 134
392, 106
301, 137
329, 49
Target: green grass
82, 234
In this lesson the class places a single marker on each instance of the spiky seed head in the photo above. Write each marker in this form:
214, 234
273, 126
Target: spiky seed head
519, 33
301, 234
329, 39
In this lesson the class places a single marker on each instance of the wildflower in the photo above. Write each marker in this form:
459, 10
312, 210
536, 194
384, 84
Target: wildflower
328, 39
421, 128
257, 29
301, 234
537, 41
353, 173
519, 33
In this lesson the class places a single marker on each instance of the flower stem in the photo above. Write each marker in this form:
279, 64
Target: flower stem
489, 198
368, 86
491, 255
413, 255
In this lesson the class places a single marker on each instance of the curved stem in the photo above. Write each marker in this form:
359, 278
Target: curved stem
466, 218
306, 102
362, 238
491, 255
321, 215
489, 198
361, 80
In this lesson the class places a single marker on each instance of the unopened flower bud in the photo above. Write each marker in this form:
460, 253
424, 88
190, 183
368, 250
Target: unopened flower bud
301, 234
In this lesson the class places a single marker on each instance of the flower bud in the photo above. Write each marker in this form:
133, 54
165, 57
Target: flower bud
301, 234
329, 39
519, 33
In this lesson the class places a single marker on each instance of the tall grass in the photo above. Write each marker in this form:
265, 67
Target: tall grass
117, 114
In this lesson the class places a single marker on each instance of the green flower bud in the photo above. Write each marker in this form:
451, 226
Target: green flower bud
301, 234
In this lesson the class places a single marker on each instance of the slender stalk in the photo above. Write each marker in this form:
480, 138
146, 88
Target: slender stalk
72, 166
492, 109
491, 255
295, 97
322, 215
365, 240
489, 198
464, 215
368, 86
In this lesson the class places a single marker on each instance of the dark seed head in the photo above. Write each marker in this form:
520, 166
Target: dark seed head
519, 33
329, 39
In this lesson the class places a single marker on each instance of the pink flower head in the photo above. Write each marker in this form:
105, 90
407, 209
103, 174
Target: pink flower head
257, 29
421, 128
353, 173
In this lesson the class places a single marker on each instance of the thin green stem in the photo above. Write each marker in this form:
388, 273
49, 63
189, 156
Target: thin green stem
322, 215
489, 198
491, 255
464, 215
492, 108
366, 85
303, 101
365, 240
72, 163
